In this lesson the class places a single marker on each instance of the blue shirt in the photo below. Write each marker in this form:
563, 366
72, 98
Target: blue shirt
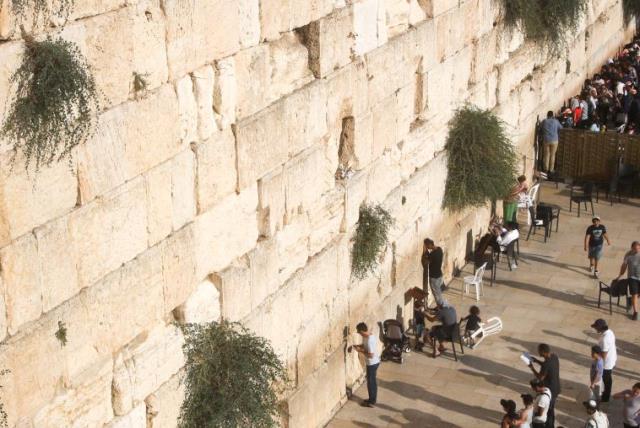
597, 366
549, 128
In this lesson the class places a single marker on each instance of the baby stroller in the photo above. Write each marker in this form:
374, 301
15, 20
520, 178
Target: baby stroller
395, 341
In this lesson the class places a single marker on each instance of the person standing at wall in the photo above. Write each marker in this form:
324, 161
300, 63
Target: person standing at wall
550, 128
607, 343
510, 203
631, 264
594, 240
432, 256
369, 349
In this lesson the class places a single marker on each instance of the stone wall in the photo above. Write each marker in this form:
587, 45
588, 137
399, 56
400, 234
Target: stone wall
213, 193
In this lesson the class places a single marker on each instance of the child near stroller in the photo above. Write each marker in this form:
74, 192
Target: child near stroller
395, 341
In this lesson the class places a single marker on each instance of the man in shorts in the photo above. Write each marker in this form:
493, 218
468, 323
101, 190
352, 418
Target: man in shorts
631, 264
594, 241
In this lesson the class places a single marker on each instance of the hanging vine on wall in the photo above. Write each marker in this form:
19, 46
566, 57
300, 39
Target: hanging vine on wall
547, 23
370, 239
55, 104
233, 378
481, 159
630, 10
42, 10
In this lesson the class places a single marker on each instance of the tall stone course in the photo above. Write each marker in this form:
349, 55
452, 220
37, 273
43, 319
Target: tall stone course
213, 193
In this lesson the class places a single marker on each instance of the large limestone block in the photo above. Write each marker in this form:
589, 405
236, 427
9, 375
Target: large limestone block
121, 149
234, 284
203, 86
390, 68
320, 393
29, 199
183, 179
85, 402
281, 16
269, 138
314, 345
225, 95
384, 176
326, 219
330, 42
127, 41
484, 50
57, 263
434, 8
22, 281
249, 22
110, 231
159, 203
227, 231
137, 418
145, 364
385, 125
10, 59
355, 194
271, 197
216, 169
3, 311
188, 109
369, 25
202, 306
397, 16
267, 72
347, 94
512, 72
293, 247
179, 267
264, 265
425, 44
450, 33
306, 177
192, 40
163, 406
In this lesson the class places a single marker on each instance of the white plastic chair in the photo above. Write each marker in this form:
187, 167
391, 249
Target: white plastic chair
529, 200
474, 281
491, 327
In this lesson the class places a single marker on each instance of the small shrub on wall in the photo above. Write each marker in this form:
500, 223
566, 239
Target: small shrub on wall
548, 23
370, 239
42, 10
55, 104
233, 378
481, 159
631, 10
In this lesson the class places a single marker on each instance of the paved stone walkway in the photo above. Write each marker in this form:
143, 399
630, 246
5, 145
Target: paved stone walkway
550, 298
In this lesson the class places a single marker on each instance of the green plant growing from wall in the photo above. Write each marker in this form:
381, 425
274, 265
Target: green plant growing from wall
630, 10
548, 23
42, 10
370, 239
233, 378
481, 159
61, 333
55, 105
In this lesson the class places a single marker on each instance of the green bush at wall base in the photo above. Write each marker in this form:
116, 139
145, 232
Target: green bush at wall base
55, 104
481, 159
370, 239
233, 378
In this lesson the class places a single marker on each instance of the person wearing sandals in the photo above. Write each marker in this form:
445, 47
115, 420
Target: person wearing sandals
446, 314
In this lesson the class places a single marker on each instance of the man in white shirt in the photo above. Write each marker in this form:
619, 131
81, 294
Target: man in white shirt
607, 342
540, 404
369, 349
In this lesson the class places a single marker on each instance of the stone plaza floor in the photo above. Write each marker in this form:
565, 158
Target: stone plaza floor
550, 298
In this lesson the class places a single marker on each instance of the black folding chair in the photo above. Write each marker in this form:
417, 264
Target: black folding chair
453, 337
616, 289
541, 216
582, 197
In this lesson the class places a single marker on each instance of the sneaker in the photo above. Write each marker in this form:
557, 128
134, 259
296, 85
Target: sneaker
514, 266
596, 274
591, 269
634, 317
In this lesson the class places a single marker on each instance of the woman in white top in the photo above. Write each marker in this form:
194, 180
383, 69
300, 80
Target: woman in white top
526, 414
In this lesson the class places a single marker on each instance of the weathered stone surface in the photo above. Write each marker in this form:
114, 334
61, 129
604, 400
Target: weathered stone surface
227, 231
264, 266
249, 22
163, 406
120, 150
137, 418
271, 197
191, 39
202, 306
183, 176
280, 16
203, 85
330, 42
216, 169
225, 96
188, 109
85, 402
436, 7
267, 72
355, 194
179, 267
325, 218
293, 247
159, 203
234, 284
369, 25
127, 41
10, 58
146, 363
22, 278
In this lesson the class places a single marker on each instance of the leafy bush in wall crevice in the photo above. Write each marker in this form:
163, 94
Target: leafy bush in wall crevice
481, 159
370, 239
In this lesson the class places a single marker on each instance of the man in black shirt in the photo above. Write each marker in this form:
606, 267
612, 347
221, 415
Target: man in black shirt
594, 239
549, 374
432, 265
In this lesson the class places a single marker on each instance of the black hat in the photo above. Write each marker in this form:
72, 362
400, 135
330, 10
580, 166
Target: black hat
599, 324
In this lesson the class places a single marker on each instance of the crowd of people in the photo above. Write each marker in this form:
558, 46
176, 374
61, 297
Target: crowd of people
610, 99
